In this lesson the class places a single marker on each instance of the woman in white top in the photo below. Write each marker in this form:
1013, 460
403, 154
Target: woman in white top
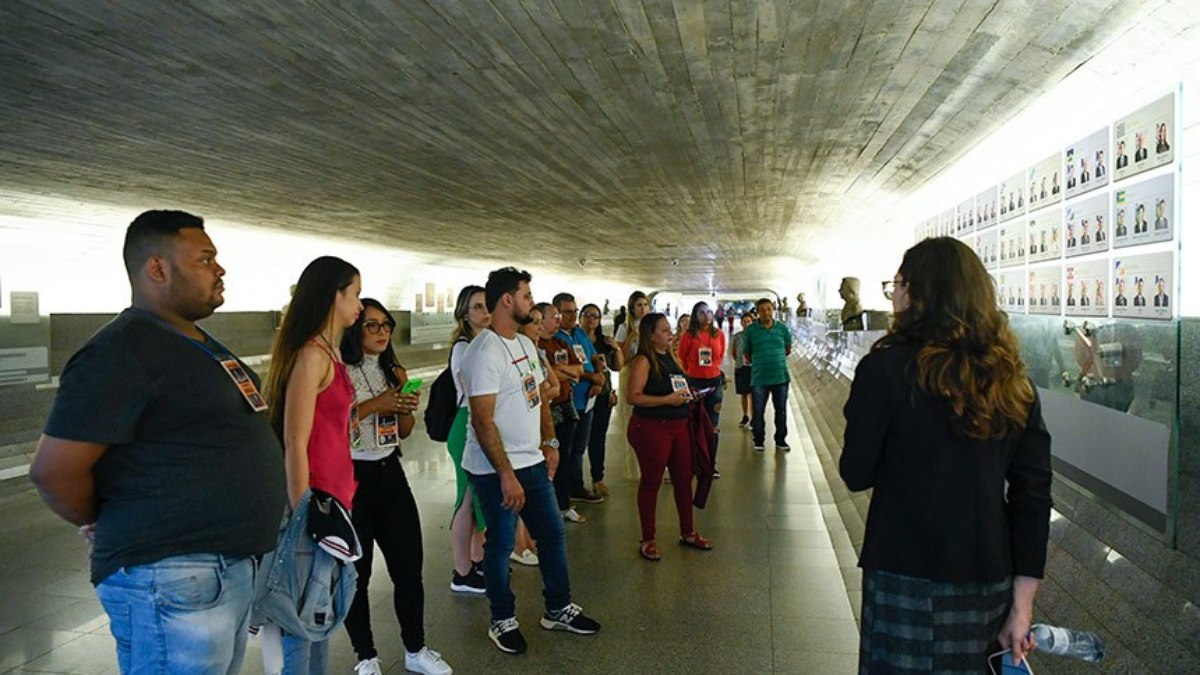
384, 508
466, 529
627, 333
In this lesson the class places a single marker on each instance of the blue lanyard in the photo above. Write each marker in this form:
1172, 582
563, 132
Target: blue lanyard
223, 356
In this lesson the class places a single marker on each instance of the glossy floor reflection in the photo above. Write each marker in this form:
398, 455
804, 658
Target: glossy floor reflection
771, 597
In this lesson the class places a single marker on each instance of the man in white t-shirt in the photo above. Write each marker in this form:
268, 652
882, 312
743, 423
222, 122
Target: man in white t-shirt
511, 456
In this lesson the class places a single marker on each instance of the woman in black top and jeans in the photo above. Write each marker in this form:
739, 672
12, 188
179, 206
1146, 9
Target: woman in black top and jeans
946, 427
658, 432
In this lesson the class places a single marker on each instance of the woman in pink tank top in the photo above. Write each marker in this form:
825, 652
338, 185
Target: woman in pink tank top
312, 404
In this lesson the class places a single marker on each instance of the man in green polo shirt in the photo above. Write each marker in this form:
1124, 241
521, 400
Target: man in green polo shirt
767, 346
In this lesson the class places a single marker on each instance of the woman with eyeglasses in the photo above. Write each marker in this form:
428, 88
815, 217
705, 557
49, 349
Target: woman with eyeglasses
466, 527
946, 427
609, 358
384, 508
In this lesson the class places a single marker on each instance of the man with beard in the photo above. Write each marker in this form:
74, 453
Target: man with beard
511, 457
158, 446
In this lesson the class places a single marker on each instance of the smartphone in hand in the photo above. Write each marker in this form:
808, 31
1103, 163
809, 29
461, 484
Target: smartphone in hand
412, 386
1001, 663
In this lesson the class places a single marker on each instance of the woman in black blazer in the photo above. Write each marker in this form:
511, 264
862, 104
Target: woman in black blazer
941, 417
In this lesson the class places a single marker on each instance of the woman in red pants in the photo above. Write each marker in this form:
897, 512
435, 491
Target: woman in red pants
658, 432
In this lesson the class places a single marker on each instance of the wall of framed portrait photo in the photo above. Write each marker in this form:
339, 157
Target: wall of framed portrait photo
1085, 252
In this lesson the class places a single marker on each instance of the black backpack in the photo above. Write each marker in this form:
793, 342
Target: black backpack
443, 403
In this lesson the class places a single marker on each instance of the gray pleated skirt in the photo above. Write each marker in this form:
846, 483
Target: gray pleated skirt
912, 625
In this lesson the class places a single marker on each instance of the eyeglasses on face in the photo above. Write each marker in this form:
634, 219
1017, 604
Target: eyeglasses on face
590, 315
375, 327
890, 286
568, 311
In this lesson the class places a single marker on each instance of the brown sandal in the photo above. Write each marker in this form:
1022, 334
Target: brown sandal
649, 550
696, 541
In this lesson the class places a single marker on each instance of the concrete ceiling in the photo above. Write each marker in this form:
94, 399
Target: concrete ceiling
626, 133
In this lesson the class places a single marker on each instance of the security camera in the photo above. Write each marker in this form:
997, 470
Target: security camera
674, 262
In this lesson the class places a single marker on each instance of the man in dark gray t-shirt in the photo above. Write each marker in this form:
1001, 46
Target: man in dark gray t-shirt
159, 447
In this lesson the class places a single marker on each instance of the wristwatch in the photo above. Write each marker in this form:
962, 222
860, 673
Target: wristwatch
551, 443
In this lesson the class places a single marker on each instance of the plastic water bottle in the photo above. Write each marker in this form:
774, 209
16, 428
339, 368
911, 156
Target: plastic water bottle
1068, 642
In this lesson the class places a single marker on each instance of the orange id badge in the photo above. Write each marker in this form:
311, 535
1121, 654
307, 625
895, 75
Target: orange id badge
244, 384
387, 430
355, 432
532, 398
705, 356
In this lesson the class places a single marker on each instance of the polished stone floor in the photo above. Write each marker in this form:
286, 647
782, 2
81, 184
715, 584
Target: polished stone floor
772, 597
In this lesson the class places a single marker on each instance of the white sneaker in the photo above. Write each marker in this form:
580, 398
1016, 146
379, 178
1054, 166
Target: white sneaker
428, 662
574, 516
368, 667
525, 557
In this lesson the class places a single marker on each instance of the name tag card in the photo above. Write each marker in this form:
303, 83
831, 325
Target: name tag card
387, 430
244, 384
706, 356
532, 397
680, 383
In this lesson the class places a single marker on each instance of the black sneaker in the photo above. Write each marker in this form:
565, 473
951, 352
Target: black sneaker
745, 423
758, 447
506, 633
468, 583
784, 447
570, 618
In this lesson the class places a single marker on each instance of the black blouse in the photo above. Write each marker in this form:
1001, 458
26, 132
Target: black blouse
940, 509
660, 385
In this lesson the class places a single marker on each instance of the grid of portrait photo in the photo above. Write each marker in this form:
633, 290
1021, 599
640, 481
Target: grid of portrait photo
1090, 230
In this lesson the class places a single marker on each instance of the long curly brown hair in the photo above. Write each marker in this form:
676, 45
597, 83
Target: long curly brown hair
968, 354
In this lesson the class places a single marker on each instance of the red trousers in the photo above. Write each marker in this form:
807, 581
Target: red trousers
660, 444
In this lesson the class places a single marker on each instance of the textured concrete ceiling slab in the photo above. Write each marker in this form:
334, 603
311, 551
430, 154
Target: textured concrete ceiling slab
626, 133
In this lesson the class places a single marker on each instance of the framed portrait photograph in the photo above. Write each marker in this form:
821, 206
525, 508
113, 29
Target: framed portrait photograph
1086, 163
987, 247
1144, 212
1087, 226
1044, 182
1085, 285
1144, 286
1012, 196
1044, 290
1012, 243
1145, 138
986, 208
1010, 291
1044, 230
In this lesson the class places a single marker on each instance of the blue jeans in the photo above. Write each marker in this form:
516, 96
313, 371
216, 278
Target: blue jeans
545, 523
302, 657
185, 614
579, 445
758, 423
